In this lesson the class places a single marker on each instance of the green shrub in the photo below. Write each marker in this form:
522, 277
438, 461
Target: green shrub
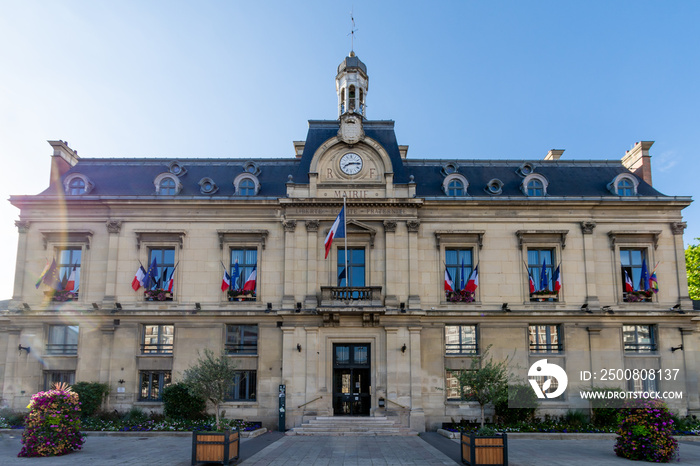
91, 395
645, 432
524, 402
53, 424
12, 418
135, 415
575, 418
179, 403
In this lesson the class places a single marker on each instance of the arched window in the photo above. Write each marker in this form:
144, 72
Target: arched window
247, 187
535, 188
455, 188
534, 185
625, 187
167, 187
351, 99
76, 186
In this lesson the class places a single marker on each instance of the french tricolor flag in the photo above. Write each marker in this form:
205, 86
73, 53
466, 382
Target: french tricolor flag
225, 281
557, 280
337, 231
532, 282
473, 282
137, 282
252, 278
449, 284
628, 282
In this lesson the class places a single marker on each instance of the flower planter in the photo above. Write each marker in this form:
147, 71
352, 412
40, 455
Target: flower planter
477, 451
158, 295
541, 297
61, 295
215, 447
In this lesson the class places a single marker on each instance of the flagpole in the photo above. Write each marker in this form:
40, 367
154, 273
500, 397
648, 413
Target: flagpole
345, 227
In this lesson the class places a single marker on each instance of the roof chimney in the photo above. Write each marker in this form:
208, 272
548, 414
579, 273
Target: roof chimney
554, 154
403, 150
62, 159
638, 161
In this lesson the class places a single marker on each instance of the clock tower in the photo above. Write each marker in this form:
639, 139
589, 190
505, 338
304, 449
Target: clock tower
351, 85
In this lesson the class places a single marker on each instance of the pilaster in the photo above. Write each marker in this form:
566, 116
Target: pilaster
417, 422
113, 229
21, 261
413, 265
288, 301
592, 300
310, 300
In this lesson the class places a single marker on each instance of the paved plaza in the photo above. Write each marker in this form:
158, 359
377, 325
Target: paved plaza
276, 449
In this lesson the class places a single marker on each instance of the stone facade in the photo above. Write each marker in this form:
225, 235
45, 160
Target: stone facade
403, 221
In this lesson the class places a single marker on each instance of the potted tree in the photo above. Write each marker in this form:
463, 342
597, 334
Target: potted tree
487, 381
211, 378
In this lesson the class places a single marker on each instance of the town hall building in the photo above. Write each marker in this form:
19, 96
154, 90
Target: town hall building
120, 264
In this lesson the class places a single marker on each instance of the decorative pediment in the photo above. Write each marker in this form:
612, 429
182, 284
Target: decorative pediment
160, 236
634, 236
459, 236
355, 229
238, 236
541, 236
67, 236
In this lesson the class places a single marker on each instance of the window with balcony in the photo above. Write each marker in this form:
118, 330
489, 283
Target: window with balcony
243, 273
545, 339
461, 340
540, 265
152, 383
243, 387
157, 339
635, 275
242, 339
161, 262
54, 377
68, 265
63, 340
639, 338
354, 276
460, 264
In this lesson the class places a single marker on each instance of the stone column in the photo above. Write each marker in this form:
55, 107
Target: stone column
592, 300
690, 360
392, 364
311, 351
390, 268
290, 373
111, 279
417, 422
312, 285
107, 341
677, 228
413, 265
11, 385
20, 263
288, 298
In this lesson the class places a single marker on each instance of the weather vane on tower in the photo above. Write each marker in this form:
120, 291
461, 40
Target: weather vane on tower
352, 32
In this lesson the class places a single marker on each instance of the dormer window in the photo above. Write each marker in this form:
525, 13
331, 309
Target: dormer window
76, 184
455, 185
624, 185
495, 187
252, 168
526, 169
207, 186
534, 186
167, 185
449, 168
176, 168
246, 184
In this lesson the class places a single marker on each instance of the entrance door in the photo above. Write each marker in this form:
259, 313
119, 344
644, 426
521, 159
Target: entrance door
351, 379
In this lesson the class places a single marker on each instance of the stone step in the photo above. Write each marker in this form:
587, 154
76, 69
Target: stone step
351, 426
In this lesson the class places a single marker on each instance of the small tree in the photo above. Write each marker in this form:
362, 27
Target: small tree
211, 378
692, 268
487, 381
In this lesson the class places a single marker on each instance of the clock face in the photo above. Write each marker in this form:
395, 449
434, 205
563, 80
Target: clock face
351, 163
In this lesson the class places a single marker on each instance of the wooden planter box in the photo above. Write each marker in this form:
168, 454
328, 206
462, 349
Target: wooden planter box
215, 447
478, 451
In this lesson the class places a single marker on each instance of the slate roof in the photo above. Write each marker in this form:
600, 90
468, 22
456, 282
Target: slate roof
134, 177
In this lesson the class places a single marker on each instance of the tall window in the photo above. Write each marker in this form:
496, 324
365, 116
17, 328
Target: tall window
167, 186
635, 266
76, 186
247, 260
459, 263
545, 339
537, 261
242, 339
53, 377
157, 339
243, 387
356, 267
535, 188
63, 339
165, 260
152, 384
625, 187
454, 389
643, 385
69, 268
639, 338
455, 188
460, 339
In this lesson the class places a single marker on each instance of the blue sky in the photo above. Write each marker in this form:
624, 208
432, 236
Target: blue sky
462, 79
